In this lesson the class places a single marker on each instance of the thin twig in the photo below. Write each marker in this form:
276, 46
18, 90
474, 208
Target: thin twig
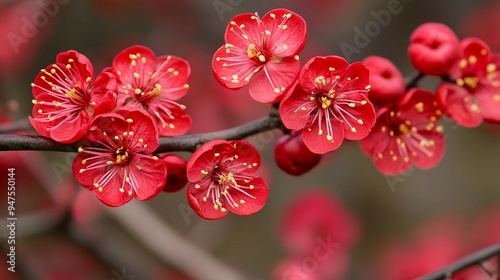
168, 245
412, 81
465, 262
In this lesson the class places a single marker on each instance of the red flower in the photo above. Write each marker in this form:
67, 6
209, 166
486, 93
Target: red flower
387, 83
476, 95
123, 166
262, 53
221, 175
406, 134
313, 215
153, 83
66, 100
329, 103
433, 48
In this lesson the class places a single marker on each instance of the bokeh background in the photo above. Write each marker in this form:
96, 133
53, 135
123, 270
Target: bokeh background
400, 227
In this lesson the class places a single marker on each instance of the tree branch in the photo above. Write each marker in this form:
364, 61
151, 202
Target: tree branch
412, 81
189, 142
474, 259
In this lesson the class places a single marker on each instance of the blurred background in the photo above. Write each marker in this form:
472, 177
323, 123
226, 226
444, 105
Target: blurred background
386, 227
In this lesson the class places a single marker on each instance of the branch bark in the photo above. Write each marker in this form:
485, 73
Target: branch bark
474, 259
188, 142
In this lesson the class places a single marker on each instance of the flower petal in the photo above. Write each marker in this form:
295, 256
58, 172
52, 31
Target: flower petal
287, 32
173, 76
150, 176
275, 78
328, 67
71, 129
232, 67
296, 108
110, 193
244, 204
316, 139
134, 64
458, 104
434, 150
78, 66
358, 115
489, 103
204, 158
170, 116
104, 94
142, 126
204, 209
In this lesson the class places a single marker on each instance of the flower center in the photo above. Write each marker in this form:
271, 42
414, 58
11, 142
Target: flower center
470, 82
225, 179
253, 52
325, 102
122, 155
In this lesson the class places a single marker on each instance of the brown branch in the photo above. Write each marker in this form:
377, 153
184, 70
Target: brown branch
473, 259
189, 142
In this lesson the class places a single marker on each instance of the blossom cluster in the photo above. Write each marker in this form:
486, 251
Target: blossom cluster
117, 118
120, 114
329, 99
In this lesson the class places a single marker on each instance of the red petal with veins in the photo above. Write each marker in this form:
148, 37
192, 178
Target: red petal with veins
150, 178
243, 30
246, 152
200, 207
83, 71
204, 158
234, 69
174, 82
318, 143
273, 80
178, 125
110, 194
249, 205
142, 126
86, 179
362, 116
458, 104
355, 78
104, 94
292, 115
326, 66
71, 129
288, 32
122, 64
